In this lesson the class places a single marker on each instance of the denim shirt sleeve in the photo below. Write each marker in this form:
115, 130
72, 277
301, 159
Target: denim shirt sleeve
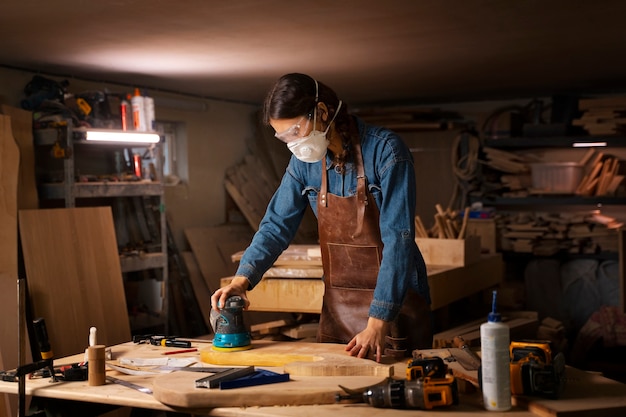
276, 230
392, 183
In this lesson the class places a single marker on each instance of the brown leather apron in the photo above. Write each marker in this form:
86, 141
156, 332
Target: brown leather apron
351, 249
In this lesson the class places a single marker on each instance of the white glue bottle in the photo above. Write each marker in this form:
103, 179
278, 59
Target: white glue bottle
148, 103
495, 369
139, 112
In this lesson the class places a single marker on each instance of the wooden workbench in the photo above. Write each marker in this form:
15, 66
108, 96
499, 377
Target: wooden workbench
447, 283
586, 394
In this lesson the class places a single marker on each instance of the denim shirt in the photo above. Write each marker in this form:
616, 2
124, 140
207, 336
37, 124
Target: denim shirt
388, 166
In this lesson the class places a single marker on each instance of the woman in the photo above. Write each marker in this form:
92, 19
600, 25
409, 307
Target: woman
360, 182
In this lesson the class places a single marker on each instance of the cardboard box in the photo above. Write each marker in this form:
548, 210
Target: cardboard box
450, 251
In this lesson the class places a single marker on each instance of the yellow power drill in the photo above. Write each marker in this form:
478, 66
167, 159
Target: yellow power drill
428, 385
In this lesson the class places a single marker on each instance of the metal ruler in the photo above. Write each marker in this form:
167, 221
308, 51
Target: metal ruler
128, 384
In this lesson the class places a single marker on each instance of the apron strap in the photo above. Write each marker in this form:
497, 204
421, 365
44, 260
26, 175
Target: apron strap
361, 188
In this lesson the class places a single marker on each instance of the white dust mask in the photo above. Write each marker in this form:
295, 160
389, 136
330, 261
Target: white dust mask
312, 148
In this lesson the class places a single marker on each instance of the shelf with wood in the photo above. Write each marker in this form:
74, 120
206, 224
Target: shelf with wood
555, 142
553, 200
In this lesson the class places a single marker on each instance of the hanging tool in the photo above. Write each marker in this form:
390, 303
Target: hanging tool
231, 333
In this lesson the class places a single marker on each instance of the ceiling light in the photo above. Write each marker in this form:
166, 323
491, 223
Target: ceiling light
121, 136
588, 144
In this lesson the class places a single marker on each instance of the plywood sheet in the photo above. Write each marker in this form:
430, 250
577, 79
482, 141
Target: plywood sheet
22, 128
74, 275
9, 166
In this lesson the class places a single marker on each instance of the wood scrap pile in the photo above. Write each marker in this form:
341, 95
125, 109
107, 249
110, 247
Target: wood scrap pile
504, 161
523, 325
602, 116
601, 174
411, 118
546, 234
449, 224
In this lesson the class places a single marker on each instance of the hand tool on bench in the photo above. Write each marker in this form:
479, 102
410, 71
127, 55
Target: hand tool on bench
214, 381
471, 362
129, 384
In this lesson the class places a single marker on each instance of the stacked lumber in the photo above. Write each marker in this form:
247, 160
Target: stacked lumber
297, 261
505, 161
602, 116
449, 224
554, 331
601, 174
546, 234
411, 118
523, 325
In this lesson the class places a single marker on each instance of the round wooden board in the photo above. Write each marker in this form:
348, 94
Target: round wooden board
178, 389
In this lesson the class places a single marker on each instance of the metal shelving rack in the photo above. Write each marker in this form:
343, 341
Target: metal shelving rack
69, 190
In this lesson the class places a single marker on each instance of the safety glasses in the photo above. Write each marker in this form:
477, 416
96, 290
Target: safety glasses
293, 132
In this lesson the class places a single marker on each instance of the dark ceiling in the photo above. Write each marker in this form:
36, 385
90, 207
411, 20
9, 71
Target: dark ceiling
394, 51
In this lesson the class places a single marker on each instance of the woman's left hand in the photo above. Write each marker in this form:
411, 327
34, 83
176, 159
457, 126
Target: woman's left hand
371, 341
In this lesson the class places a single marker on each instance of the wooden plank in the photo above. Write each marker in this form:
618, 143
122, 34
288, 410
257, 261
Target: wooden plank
200, 289
450, 251
447, 284
454, 284
297, 295
294, 255
300, 359
22, 128
205, 244
622, 269
9, 169
586, 394
74, 276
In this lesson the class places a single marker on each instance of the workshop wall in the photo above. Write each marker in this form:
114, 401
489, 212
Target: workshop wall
215, 135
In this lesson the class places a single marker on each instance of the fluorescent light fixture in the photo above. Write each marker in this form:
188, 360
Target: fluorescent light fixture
588, 144
121, 136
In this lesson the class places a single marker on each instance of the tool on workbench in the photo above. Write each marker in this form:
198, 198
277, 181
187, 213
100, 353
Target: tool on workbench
227, 374
534, 369
129, 384
471, 361
258, 377
161, 340
228, 325
428, 385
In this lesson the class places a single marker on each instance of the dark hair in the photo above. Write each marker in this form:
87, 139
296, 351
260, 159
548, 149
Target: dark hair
293, 95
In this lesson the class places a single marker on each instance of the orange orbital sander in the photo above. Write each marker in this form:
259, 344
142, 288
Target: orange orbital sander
231, 334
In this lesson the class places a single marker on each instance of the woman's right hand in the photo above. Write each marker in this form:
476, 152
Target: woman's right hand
238, 286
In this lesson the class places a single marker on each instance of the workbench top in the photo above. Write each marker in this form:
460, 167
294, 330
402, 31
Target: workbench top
592, 393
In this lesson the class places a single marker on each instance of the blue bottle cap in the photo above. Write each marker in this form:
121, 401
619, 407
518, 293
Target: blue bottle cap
494, 316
